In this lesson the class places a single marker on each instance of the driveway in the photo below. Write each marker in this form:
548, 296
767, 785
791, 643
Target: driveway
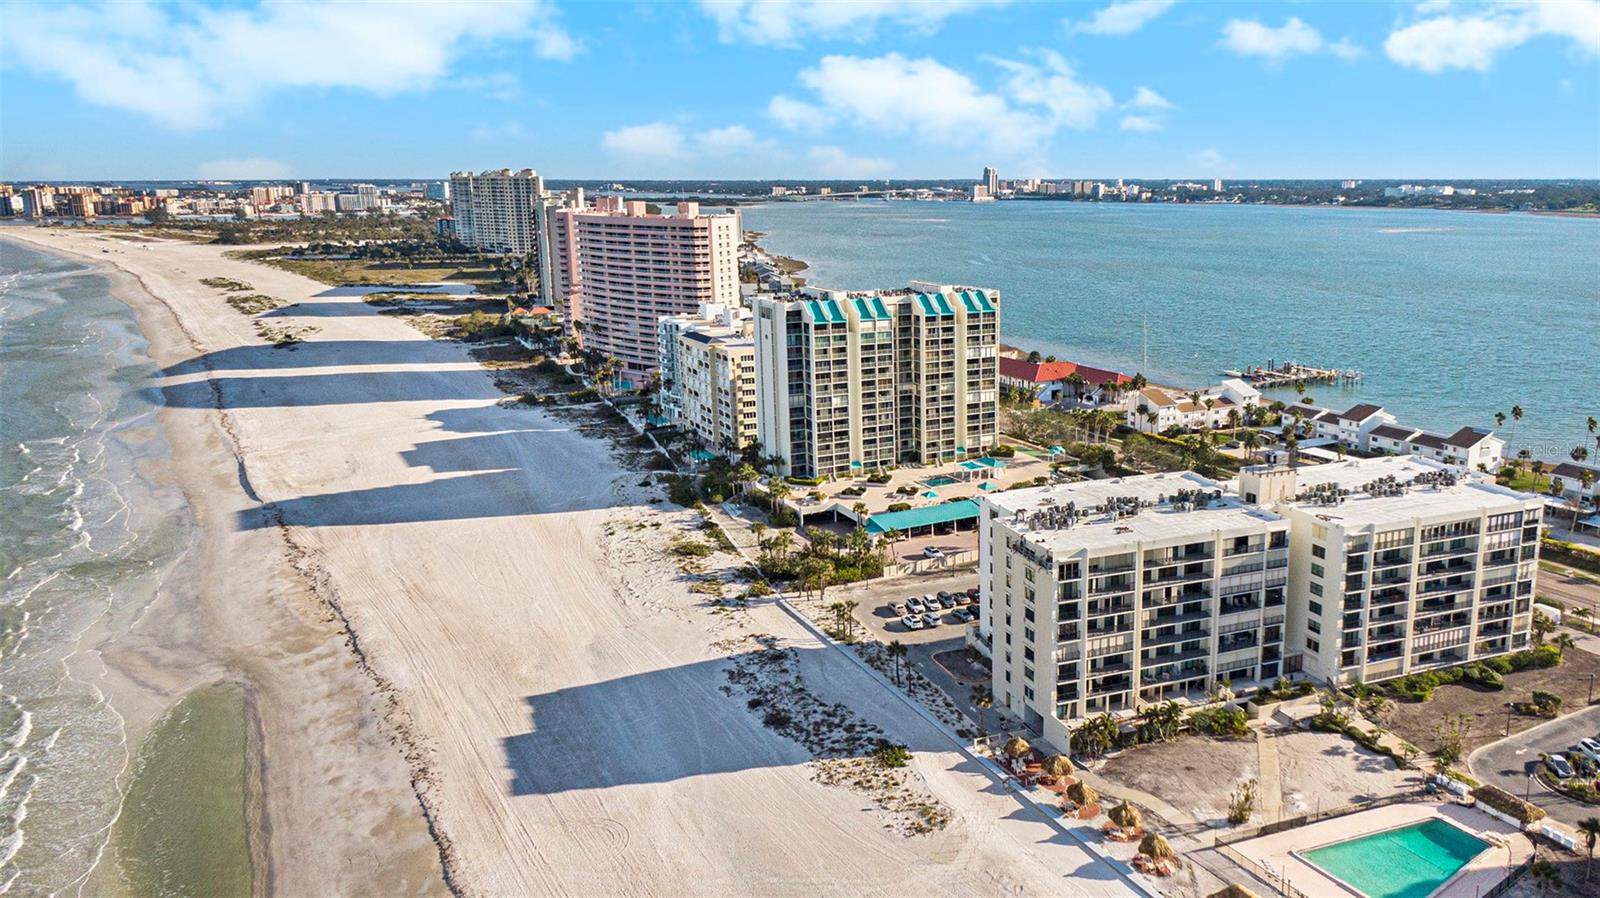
1509, 762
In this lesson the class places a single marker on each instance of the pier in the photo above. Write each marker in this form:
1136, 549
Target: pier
1288, 374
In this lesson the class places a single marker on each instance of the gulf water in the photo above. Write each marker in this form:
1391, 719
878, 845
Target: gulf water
87, 525
1450, 316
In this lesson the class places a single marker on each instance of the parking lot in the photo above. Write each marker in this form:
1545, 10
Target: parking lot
1510, 763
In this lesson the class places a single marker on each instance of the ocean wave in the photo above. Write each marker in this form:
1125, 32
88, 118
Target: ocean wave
1413, 230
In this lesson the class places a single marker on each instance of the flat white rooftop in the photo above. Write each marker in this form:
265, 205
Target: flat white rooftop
1096, 526
1397, 489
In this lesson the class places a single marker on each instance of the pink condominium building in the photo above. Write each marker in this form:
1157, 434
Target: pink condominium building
636, 267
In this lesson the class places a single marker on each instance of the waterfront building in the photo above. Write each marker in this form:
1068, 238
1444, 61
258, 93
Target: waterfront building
1369, 428
635, 267
708, 375
860, 381
1106, 595
560, 281
1158, 409
1400, 564
991, 181
494, 210
1062, 381
437, 190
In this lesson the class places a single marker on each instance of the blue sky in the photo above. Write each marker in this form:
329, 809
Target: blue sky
870, 89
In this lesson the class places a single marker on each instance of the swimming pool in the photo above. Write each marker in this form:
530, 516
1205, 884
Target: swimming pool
940, 480
1408, 862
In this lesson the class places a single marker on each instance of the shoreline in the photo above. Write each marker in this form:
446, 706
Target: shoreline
545, 686
196, 630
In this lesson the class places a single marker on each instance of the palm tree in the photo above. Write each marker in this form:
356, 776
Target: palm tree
1590, 827
1564, 642
777, 492
887, 541
1579, 454
1516, 416
983, 700
1499, 419
1250, 440
1233, 419
1538, 471
1593, 425
897, 650
1546, 876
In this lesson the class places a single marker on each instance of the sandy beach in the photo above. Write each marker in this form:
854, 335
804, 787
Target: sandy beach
473, 665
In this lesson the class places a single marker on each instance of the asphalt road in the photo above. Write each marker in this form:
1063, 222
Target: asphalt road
1573, 592
1508, 763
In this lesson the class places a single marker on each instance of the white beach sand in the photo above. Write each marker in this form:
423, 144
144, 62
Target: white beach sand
554, 690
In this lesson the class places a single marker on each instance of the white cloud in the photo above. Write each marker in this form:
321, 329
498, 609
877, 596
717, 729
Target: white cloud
832, 162
1247, 37
1122, 18
1471, 40
1052, 83
656, 140
666, 141
1140, 123
1145, 98
189, 67
1210, 160
785, 22
798, 115
1036, 96
253, 169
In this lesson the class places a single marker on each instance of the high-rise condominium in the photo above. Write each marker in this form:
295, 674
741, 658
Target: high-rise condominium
634, 267
1104, 596
853, 381
495, 210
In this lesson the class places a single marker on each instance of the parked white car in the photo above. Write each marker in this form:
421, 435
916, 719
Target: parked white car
915, 604
912, 621
1591, 748
932, 552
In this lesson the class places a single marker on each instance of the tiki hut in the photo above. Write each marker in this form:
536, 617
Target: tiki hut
1058, 765
1155, 847
1233, 891
1016, 747
1127, 817
1082, 794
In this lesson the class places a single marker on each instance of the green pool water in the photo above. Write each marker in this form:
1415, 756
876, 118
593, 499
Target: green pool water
940, 480
1409, 862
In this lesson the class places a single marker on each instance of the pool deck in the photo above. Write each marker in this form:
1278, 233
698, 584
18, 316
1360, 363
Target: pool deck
1280, 852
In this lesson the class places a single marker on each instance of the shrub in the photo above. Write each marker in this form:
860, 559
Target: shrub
1242, 803
1508, 804
689, 548
1003, 451
1220, 721
878, 477
891, 755
480, 325
900, 506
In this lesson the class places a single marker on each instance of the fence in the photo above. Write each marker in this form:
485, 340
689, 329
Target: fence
1504, 885
1267, 875
949, 562
1267, 829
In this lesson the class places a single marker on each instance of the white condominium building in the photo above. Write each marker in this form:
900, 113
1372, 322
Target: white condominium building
495, 210
857, 381
1401, 564
560, 279
1106, 595
636, 267
708, 375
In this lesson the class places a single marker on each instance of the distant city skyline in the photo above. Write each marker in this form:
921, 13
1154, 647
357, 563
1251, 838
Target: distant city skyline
725, 89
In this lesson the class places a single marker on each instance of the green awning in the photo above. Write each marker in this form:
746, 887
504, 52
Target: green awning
963, 510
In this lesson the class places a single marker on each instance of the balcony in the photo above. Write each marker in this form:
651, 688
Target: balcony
1171, 574
1176, 638
1110, 587
1163, 619
1108, 627
1112, 606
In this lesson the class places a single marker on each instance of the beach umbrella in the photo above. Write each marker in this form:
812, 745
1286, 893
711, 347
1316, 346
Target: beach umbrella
987, 486
1057, 450
930, 494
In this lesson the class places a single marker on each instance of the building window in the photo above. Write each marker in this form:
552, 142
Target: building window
1316, 588
1311, 645
1318, 551
1317, 570
1316, 608
1313, 626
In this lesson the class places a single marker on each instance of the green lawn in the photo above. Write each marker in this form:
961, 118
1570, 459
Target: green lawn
340, 272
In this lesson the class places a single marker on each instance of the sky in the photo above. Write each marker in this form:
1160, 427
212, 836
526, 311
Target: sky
801, 89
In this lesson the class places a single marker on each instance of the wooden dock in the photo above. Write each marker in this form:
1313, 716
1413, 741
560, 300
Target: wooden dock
1288, 374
